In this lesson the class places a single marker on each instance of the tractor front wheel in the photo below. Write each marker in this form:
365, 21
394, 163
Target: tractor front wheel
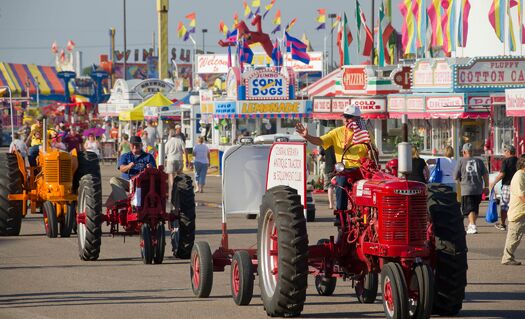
66, 226
395, 296
146, 244
366, 288
50, 219
325, 286
421, 292
159, 248
242, 278
282, 252
201, 269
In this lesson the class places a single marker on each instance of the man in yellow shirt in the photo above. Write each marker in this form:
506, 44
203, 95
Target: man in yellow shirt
36, 140
515, 215
349, 140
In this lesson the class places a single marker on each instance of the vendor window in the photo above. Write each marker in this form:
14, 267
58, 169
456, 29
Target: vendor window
419, 134
246, 127
269, 126
473, 132
503, 129
391, 135
224, 127
441, 135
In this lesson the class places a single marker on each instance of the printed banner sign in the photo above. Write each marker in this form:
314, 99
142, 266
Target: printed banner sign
206, 101
266, 85
515, 102
370, 105
479, 103
225, 107
213, 63
271, 107
322, 105
445, 103
491, 73
354, 79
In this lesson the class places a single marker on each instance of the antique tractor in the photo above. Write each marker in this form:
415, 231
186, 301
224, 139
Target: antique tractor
142, 211
413, 237
49, 188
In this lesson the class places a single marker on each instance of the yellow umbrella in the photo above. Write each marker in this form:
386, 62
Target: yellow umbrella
137, 113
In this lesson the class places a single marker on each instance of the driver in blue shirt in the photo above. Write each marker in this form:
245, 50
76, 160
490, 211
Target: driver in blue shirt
130, 164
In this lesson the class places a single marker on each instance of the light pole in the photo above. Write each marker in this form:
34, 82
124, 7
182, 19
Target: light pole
125, 48
203, 42
11, 108
332, 16
37, 92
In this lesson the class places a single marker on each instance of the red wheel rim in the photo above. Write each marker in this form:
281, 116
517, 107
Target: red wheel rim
235, 278
274, 252
196, 271
387, 296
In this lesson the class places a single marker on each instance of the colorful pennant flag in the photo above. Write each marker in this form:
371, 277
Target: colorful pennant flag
268, 7
277, 55
306, 41
365, 39
520, 23
294, 42
245, 53
291, 24
256, 4
277, 21
421, 23
336, 22
344, 38
182, 32
409, 29
512, 39
497, 18
321, 18
223, 28
300, 55
385, 31
464, 12
235, 20
448, 24
192, 23
247, 10
434, 17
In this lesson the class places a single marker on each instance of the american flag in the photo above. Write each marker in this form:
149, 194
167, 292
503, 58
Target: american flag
361, 135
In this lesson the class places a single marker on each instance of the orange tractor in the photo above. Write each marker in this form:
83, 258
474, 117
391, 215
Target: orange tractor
50, 188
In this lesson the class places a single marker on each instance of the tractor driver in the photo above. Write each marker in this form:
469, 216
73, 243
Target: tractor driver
350, 139
130, 164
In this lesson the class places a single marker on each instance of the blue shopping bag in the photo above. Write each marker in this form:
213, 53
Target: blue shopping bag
492, 210
437, 174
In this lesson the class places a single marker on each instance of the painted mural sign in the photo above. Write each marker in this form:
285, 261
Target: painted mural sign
370, 105
432, 74
491, 72
266, 85
354, 79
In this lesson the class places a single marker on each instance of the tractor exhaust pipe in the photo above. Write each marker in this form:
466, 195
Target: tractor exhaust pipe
44, 135
404, 151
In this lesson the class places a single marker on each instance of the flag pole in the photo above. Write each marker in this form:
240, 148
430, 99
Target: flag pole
324, 53
373, 28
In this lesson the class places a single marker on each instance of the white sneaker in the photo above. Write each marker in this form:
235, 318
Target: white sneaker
472, 229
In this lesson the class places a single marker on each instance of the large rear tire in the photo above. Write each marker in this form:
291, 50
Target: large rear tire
366, 288
67, 225
90, 203
88, 163
395, 296
282, 244
451, 250
201, 269
50, 219
242, 278
183, 194
10, 183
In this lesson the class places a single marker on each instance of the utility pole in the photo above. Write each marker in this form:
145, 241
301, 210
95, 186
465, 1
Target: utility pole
125, 47
162, 17
332, 16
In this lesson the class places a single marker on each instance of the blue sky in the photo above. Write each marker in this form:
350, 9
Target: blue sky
29, 27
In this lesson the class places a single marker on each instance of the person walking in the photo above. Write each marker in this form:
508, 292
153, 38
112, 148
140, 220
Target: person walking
419, 168
152, 136
175, 150
474, 180
447, 164
92, 145
201, 155
329, 172
516, 214
73, 140
18, 145
508, 168
125, 146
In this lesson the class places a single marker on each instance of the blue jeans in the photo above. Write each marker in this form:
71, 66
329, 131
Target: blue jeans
33, 154
200, 172
341, 198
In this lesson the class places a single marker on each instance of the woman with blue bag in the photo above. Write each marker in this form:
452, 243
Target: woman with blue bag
443, 172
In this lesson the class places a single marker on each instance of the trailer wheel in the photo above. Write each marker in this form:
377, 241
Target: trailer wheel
242, 278
421, 292
366, 288
395, 296
183, 187
11, 183
66, 226
146, 244
159, 248
50, 219
325, 286
282, 252
201, 269
89, 202
450, 277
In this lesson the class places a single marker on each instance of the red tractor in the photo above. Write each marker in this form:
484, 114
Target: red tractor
142, 211
409, 235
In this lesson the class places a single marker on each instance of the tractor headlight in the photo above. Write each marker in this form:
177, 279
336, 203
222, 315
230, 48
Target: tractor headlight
339, 167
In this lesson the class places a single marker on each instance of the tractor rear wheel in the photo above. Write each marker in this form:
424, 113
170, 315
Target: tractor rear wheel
66, 226
183, 186
50, 219
282, 250
201, 269
325, 286
88, 163
421, 292
10, 183
450, 274
395, 296
159, 248
366, 288
89, 202
146, 244
242, 278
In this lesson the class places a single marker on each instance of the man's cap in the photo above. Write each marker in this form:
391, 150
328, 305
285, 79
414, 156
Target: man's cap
135, 140
177, 126
40, 118
352, 110
510, 148
467, 147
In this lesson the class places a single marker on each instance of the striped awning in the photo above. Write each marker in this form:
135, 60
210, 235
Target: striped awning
19, 76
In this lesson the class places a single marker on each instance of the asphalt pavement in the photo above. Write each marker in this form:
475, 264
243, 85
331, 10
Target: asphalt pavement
44, 278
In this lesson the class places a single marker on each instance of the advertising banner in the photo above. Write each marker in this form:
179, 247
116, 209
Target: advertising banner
271, 107
266, 85
491, 72
213, 63
445, 103
515, 102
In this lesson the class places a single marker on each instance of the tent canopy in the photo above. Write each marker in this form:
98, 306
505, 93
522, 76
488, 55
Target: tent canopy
137, 113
